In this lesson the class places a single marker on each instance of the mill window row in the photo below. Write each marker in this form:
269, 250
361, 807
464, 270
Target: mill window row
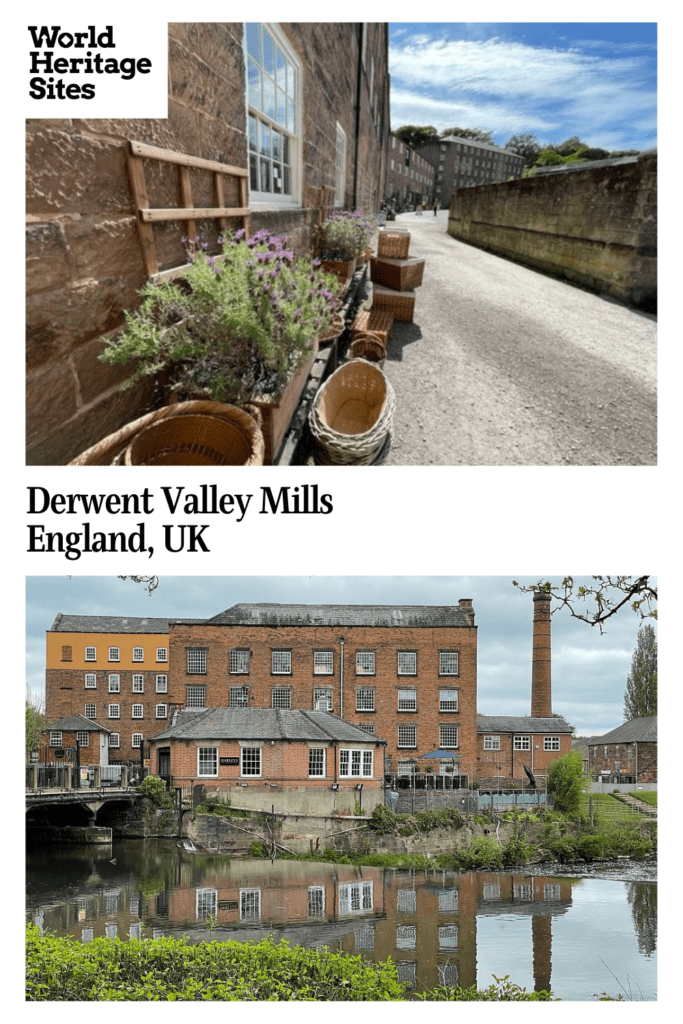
323, 699
113, 682
114, 654
323, 663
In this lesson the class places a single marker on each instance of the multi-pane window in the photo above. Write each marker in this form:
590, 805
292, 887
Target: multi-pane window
369, 727
355, 897
407, 700
91, 654
115, 683
250, 904
281, 663
316, 761
448, 936
138, 654
521, 743
206, 903
551, 742
281, 697
448, 700
406, 901
196, 697
405, 768
55, 739
407, 736
365, 700
138, 684
83, 739
90, 711
365, 663
239, 661
114, 711
114, 739
323, 663
316, 901
448, 736
90, 681
322, 698
407, 663
114, 654
207, 761
196, 661
448, 663
162, 711
239, 697
162, 684
491, 742
251, 760
162, 654
272, 97
138, 711
406, 936
355, 763
340, 167
136, 740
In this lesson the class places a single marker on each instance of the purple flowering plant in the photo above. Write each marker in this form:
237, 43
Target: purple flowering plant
346, 233
236, 324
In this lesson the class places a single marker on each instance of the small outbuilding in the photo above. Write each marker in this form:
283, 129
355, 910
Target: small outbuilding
627, 754
263, 758
75, 738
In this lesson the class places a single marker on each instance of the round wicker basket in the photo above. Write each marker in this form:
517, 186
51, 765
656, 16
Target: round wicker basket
352, 415
368, 346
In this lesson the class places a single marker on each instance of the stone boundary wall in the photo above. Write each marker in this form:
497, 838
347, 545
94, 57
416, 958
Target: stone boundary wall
595, 226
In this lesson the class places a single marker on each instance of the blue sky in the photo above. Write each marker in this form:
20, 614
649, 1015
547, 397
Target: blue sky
588, 671
552, 80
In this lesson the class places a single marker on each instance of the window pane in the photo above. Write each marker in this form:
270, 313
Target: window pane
253, 44
254, 84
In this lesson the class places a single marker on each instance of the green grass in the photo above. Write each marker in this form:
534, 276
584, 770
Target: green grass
646, 796
610, 807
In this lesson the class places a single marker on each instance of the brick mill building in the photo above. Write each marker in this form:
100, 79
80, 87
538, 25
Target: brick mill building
461, 162
625, 754
297, 108
410, 177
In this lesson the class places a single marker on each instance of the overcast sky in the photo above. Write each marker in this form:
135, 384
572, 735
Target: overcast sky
553, 80
588, 670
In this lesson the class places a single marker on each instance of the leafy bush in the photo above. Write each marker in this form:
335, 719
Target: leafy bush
385, 822
565, 782
517, 850
155, 788
503, 990
483, 852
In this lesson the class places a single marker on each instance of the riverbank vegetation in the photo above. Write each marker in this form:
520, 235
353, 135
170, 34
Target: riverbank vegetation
174, 970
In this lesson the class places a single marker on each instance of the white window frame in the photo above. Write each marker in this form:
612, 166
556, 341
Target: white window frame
83, 738
206, 903
195, 697
250, 904
196, 661
114, 739
91, 654
316, 759
161, 711
355, 763
138, 683
322, 694
114, 654
114, 683
138, 654
55, 738
251, 765
551, 743
281, 697
340, 167
446, 744
239, 697
136, 739
365, 663
491, 742
407, 700
162, 683
94, 712
445, 701
281, 663
293, 133
207, 757
406, 663
521, 743
355, 897
365, 698
162, 654
323, 663
114, 711
137, 711
238, 661
91, 680
448, 659
406, 730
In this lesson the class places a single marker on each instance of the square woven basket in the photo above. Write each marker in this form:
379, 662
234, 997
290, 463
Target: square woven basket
393, 243
401, 305
376, 321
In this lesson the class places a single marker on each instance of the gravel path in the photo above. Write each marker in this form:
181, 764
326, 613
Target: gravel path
504, 366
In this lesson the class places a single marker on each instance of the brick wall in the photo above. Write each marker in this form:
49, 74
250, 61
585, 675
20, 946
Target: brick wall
634, 759
83, 256
510, 763
597, 226
301, 642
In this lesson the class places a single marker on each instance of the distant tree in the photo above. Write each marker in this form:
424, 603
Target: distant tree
547, 157
151, 582
416, 136
640, 698
477, 134
35, 722
524, 145
609, 593
566, 781
624, 152
571, 146
595, 154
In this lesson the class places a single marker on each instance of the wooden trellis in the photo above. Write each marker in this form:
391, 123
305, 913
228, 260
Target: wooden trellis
147, 216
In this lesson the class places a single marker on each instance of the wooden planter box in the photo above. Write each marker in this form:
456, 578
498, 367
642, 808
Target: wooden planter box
400, 304
399, 274
343, 270
277, 411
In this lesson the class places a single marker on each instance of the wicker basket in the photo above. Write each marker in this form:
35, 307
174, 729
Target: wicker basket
244, 437
352, 415
401, 305
377, 321
393, 243
368, 346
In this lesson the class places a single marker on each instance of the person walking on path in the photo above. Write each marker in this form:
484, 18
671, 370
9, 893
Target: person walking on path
435, 206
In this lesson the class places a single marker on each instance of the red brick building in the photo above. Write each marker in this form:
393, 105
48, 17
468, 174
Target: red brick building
298, 761
75, 738
626, 754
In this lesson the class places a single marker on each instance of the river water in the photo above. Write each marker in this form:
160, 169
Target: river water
577, 936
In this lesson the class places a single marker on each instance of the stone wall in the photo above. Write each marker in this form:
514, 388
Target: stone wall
83, 256
594, 226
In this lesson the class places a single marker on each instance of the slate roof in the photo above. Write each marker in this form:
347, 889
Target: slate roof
522, 724
76, 723
263, 724
113, 624
340, 615
638, 730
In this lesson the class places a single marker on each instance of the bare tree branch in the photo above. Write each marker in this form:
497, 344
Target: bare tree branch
151, 582
610, 594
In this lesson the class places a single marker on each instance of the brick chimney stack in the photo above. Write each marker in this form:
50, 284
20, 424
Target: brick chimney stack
541, 700
465, 605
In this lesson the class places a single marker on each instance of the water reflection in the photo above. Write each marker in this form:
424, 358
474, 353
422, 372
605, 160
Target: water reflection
439, 927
